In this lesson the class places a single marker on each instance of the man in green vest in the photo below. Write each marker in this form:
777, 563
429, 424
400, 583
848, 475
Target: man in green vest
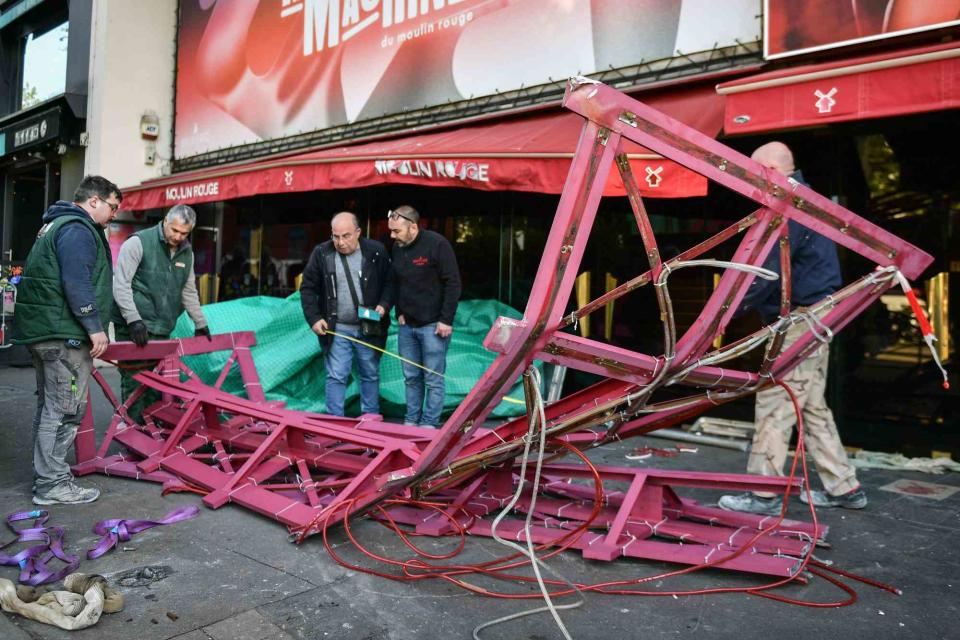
153, 284
63, 305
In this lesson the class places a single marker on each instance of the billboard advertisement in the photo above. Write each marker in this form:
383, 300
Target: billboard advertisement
249, 71
793, 27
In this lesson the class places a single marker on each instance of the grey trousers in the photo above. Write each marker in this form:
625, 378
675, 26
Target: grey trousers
63, 374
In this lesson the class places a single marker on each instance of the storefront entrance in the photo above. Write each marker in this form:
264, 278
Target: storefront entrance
885, 388
28, 194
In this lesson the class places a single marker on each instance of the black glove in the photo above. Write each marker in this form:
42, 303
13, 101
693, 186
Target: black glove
203, 331
138, 333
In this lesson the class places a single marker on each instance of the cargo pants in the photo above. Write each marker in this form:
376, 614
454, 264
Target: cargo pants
775, 419
63, 376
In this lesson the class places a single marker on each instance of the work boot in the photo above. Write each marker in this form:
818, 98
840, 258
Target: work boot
750, 503
855, 499
67, 492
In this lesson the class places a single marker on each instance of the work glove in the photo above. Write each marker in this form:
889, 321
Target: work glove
203, 331
138, 333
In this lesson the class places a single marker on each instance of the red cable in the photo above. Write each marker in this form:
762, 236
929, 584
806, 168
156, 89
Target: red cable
859, 578
447, 572
416, 569
185, 487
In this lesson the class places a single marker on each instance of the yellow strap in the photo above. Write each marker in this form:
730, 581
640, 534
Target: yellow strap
408, 361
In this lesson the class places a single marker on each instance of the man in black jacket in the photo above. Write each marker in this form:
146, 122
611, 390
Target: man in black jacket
345, 278
428, 289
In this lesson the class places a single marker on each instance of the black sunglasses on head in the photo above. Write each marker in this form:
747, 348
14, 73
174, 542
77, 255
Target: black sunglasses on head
394, 214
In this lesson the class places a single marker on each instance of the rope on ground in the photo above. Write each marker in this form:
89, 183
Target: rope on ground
87, 597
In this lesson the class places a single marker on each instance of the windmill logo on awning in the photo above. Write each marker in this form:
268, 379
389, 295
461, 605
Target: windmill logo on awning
653, 176
825, 101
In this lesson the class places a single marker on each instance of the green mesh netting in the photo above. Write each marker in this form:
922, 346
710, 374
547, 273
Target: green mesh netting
291, 367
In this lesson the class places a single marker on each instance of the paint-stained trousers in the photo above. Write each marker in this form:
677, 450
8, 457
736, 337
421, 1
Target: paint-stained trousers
63, 374
775, 419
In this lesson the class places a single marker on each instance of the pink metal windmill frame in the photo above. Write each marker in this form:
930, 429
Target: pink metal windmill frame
308, 470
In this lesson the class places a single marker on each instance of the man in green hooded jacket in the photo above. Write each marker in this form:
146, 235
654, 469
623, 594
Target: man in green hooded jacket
63, 305
153, 283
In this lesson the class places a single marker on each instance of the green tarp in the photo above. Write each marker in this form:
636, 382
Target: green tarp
291, 368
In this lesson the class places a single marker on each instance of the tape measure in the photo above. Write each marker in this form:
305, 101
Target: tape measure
407, 360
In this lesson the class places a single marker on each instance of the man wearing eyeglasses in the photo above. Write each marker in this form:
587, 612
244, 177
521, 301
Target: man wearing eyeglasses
347, 290
63, 305
153, 284
428, 289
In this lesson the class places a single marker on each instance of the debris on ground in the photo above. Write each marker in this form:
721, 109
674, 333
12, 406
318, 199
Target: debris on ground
143, 576
880, 460
642, 453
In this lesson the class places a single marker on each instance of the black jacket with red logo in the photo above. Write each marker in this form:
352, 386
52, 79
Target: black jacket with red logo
428, 280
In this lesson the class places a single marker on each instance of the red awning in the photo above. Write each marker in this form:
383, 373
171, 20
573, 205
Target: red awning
891, 84
530, 153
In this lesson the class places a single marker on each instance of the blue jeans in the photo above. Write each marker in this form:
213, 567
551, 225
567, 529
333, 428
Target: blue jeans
423, 346
339, 361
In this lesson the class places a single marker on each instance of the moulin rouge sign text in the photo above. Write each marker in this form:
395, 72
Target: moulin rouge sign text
327, 23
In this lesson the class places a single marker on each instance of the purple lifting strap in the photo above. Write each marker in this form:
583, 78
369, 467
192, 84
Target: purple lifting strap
33, 560
116, 531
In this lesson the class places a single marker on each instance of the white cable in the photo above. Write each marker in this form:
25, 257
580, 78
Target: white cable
535, 562
719, 356
538, 400
760, 272
813, 322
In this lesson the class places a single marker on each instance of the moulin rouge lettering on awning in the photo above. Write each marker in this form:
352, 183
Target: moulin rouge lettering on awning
435, 169
187, 191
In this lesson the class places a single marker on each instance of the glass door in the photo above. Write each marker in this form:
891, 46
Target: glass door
206, 252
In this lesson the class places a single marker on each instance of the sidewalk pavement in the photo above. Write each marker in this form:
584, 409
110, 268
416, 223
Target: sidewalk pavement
230, 574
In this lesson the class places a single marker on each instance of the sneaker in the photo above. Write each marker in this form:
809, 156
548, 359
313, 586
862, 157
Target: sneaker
67, 492
750, 503
855, 499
